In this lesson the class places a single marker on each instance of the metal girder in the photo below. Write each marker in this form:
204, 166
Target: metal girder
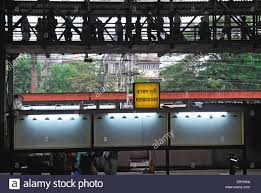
104, 9
144, 47
189, 34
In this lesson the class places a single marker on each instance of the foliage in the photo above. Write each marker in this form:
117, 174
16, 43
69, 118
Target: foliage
22, 73
194, 72
73, 77
214, 72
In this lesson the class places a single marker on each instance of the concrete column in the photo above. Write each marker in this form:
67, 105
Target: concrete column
2, 74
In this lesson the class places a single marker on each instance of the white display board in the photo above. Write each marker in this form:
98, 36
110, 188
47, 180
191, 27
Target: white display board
52, 132
207, 128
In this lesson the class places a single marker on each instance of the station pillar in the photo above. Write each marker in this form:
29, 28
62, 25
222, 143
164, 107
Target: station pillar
2, 74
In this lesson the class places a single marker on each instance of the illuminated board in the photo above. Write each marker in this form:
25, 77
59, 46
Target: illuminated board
63, 131
146, 95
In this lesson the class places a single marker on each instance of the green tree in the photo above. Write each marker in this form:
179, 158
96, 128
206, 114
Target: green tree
214, 72
89, 77
73, 77
22, 73
59, 76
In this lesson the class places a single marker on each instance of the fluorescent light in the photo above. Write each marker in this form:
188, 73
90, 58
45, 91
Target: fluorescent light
54, 117
199, 114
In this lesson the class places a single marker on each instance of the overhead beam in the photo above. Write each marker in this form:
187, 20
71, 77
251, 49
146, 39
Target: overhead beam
119, 8
144, 47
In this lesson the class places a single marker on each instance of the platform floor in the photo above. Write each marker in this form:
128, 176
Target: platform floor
177, 172
194, 172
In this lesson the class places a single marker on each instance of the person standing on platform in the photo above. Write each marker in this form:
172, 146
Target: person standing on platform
244, 28
204, 31
138, 29
40, 30
87, 163
159, 26
119, 29
110, 162
52, 23
151, 25
25, 28
177, 24
227, 27
100, 30
68, 28
84, 30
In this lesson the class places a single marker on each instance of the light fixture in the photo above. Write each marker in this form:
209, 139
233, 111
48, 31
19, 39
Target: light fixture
72, 118
223, 115
60, 118
136, 117
187, 116
99, 118
124, 117
210, 116
160, 116
21, 119
234, 115
84, 118
175, 116
34, 119
47, 118
199, 116
112, 117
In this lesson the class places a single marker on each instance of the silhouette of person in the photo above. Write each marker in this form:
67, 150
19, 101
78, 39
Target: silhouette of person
40, 29
244, 28
25, 28
177, 23
119, 29
150, 26
159, 25
68, 29
227, 27
84, 30
100, 30
204, 31
138, 29
52, 23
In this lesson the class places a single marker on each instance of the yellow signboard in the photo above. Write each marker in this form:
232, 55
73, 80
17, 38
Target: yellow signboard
146, 95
